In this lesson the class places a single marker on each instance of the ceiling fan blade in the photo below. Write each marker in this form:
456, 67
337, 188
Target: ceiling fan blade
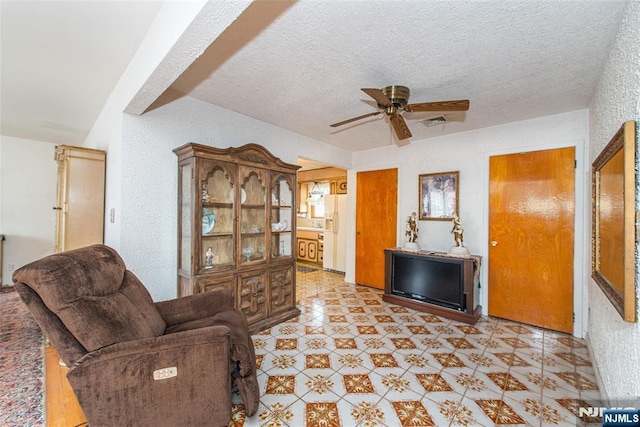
459, 105
400, 126
354, 119
379, 97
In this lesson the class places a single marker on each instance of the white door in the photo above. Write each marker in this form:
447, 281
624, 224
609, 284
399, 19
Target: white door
80, 210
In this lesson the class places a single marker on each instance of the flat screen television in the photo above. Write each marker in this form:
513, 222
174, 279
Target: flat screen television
439, 282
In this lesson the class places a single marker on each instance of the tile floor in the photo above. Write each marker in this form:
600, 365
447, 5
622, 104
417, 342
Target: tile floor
352, 359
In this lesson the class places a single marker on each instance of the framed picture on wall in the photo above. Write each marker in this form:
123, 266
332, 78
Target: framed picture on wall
438, 195
614, 221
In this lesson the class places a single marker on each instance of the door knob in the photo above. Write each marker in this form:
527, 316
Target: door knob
494, 243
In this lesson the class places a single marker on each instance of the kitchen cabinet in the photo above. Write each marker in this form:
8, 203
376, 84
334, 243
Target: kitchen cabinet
307, 250
320, 257
341, 185
310, 247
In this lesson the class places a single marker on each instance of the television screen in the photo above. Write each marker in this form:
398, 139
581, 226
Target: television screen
437, 282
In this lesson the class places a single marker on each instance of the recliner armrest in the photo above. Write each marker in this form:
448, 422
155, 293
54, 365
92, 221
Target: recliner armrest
194, 307
148, 345
137, 378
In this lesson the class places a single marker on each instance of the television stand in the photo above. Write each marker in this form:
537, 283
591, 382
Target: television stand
470, 277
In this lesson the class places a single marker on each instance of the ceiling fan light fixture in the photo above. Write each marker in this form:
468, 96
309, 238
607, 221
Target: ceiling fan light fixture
393, 100
398, 95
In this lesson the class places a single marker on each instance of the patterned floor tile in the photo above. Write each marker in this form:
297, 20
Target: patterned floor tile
286, 344
322, 414
511, 359
433, 383
482, 378
412, 413
280, 384
573, 359
367, 330
506, 381
419, 330
351, 359
384, 360
458, 413
358, 383
577, 380
403, 343
317, 361
273, 410
449, 360
499, 411
345, 343
350, 362
416, 362
369, 414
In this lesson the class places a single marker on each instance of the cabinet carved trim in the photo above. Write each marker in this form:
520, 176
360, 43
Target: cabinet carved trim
282, 288
236, 229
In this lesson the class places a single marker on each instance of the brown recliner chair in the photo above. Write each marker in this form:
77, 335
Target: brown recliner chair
133, 362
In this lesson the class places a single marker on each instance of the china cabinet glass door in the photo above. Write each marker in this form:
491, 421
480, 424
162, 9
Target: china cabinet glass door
252, 218
281, 217
184, 260
217, 243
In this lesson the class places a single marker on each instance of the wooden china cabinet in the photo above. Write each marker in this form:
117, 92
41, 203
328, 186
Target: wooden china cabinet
236, 229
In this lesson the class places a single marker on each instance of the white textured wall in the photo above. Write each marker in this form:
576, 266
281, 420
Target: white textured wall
149, 177
28, 183
160, 58
469, 154
615, 344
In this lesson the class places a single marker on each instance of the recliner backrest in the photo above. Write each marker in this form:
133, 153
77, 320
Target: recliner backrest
97, 299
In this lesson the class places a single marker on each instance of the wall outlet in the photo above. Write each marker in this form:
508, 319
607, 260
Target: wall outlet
12, 268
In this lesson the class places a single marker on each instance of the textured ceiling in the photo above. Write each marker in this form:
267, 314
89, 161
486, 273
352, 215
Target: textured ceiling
512, 60
301, 65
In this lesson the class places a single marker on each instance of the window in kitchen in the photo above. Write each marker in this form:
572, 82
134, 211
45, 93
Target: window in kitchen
317, 191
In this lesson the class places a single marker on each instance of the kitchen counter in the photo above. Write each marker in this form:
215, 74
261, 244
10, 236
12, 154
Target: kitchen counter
319, 230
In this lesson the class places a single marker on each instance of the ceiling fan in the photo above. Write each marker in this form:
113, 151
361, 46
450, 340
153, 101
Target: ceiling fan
393, 99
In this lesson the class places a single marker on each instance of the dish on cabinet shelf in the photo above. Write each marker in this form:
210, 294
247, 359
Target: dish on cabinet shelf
208, 221
248, 253
243, 195
280, 226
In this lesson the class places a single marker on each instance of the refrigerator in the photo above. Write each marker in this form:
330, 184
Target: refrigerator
335, 234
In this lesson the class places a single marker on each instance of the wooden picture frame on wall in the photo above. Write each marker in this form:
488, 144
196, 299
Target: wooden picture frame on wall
613, 222
438, 195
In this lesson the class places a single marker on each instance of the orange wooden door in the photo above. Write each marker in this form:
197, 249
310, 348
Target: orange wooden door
531, 237
376, 219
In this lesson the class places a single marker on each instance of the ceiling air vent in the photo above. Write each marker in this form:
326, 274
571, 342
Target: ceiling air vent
434, 121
